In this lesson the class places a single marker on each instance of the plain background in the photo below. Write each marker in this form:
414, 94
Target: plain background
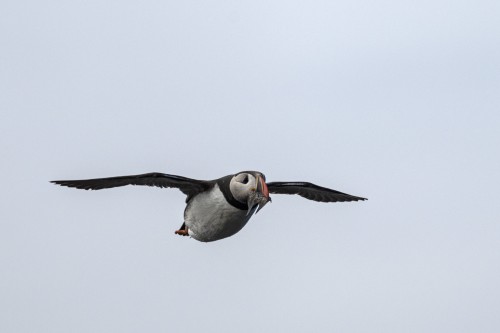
398, 101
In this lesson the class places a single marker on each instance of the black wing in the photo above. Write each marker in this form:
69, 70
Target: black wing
311, 191
188, 186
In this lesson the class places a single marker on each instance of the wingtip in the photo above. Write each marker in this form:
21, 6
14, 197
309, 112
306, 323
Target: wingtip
66, 183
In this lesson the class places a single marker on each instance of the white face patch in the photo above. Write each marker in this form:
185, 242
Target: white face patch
242, 185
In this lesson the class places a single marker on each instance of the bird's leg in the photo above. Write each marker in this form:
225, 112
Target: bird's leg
183, 231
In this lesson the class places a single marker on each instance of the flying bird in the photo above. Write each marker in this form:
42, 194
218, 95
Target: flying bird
218, 208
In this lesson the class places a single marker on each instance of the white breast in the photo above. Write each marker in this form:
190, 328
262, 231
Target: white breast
210, 217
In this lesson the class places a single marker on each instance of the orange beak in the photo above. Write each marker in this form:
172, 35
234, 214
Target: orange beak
258, 198
262, 187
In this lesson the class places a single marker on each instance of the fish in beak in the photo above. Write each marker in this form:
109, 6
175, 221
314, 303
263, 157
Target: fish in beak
259, 197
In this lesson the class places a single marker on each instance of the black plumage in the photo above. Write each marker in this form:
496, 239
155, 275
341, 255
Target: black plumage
188, 186
311, 191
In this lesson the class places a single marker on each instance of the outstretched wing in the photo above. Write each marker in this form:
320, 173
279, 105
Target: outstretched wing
188, 186
311, 191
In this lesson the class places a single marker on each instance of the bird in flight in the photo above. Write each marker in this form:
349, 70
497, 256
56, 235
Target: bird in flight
218, 208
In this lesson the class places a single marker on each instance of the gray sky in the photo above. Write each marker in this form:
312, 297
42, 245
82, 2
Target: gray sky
398, 101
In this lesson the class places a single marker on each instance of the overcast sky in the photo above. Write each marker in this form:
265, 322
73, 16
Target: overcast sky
397, 101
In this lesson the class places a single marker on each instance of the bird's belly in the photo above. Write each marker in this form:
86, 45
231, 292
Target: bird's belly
209, 217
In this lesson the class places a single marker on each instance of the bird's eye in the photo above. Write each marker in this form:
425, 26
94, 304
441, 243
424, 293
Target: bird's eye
245, 180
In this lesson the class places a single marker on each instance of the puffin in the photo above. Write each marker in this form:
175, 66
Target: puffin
217, 209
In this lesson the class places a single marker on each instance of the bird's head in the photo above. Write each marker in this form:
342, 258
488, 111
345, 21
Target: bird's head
250, 187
